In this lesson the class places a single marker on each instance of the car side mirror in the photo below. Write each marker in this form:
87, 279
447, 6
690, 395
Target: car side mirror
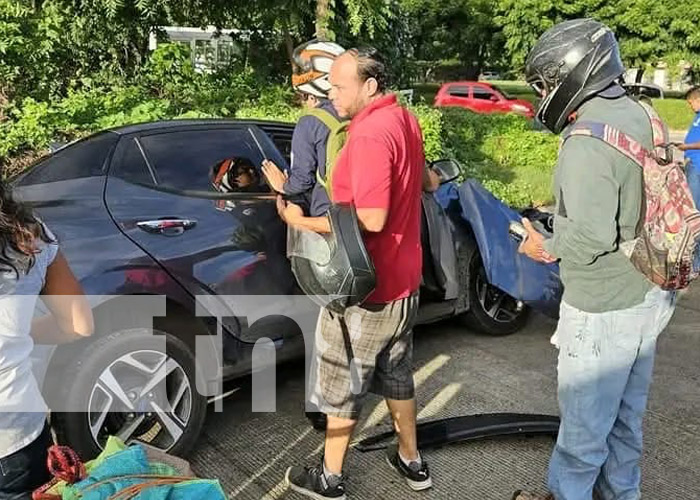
447, 169
494, 98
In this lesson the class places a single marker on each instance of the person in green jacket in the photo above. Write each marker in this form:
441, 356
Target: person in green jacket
611, 315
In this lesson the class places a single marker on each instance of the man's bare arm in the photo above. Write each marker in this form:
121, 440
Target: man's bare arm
371, 220
691, 146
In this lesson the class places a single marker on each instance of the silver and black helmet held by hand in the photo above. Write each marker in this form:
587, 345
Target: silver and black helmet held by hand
333, 269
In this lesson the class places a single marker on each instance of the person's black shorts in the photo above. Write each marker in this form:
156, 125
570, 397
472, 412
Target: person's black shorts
25, 470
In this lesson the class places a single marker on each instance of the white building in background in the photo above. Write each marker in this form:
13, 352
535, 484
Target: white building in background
662, 76
209, 47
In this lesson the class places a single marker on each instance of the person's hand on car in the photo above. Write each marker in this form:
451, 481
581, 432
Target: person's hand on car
533, 246
289, 212
431, 180
275, 177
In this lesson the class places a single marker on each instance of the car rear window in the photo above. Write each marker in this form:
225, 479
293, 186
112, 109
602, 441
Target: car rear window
85, 158
459, 91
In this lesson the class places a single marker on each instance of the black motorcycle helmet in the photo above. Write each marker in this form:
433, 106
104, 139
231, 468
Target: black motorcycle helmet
333, 269
570, 63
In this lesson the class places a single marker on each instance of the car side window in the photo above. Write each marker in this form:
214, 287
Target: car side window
226, 160
482, 93
459, 91
283, 141
130, 164
652, 92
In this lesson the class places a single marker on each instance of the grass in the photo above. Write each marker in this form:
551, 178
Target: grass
675, 112
673, 109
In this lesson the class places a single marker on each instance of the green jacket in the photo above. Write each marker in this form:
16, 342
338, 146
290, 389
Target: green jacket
598, 195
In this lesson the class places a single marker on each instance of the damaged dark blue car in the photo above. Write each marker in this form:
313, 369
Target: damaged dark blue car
180, 210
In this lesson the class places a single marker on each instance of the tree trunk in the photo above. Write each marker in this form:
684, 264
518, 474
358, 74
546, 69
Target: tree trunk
288, 42
323, 17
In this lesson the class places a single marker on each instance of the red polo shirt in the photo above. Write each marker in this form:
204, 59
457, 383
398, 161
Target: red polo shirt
381, 166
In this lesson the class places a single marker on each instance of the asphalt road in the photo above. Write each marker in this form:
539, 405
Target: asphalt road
460, 372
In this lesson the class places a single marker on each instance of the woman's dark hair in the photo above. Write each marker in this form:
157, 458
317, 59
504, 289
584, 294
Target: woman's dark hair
370, 64
19, 231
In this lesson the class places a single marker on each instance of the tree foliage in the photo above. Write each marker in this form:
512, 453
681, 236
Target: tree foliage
461, 30
649, 31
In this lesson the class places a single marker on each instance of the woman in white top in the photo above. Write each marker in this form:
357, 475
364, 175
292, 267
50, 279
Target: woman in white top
30, 265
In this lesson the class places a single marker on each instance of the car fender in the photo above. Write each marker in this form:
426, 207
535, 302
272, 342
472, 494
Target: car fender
487, 220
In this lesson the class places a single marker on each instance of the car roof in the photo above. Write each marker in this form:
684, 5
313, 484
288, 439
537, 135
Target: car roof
173, 124
469, 82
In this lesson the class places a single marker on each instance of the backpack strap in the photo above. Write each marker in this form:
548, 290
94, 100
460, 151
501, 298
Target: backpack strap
337, 129
620, 141
624, 143
658, 127
326, 117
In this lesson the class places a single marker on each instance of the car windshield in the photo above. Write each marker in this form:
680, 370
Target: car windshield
503, 92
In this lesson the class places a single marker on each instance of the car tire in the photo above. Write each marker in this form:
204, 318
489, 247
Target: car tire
491, 311
130, 358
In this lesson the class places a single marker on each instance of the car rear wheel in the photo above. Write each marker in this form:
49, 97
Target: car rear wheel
137, 386
491, 310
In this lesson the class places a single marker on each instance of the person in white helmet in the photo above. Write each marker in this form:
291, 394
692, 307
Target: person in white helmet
311, 134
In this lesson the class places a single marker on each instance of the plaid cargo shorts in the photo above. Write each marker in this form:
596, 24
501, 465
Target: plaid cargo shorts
381, 341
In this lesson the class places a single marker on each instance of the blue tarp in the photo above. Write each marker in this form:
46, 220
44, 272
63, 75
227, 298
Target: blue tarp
534, 283
108, 478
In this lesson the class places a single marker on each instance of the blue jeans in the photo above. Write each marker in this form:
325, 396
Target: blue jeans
693, 176
605, 369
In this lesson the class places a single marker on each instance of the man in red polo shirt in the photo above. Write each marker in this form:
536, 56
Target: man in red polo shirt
380, 171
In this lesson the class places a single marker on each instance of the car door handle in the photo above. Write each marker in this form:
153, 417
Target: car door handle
167, 227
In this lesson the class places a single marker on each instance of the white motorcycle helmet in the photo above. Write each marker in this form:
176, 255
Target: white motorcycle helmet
312, 62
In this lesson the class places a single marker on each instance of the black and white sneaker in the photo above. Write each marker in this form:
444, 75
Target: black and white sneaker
312, 483
416, 474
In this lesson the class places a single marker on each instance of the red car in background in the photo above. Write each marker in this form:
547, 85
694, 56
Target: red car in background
481, 97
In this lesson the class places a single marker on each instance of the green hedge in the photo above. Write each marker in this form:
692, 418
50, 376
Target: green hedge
512, 160
502, 151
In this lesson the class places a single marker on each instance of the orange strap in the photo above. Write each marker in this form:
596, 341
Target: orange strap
225, 165
134, 490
